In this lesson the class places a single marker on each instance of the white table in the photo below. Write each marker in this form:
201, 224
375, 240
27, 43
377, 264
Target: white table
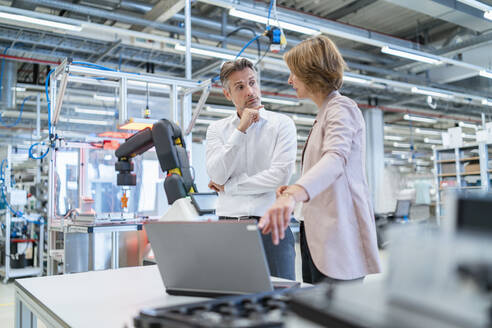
110, 298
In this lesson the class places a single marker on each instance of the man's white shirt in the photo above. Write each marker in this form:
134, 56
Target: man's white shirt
250, 165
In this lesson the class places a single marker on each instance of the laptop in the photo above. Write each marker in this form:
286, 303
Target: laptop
211, 259
402, 210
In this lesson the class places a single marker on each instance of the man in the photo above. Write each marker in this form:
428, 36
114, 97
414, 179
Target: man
249, 155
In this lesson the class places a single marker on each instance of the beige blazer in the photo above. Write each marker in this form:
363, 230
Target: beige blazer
338, 217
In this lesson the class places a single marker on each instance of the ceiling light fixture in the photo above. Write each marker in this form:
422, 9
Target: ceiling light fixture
263, 20
204, 52
401, 145
488, 15
487, 102
432, 141
476, 4
410, 55
40, 22
204, 121
468, 125
358, 80
94, 111
81, 121
303, 120
485, 73
280, 101
419, 119
105, 98
428, 132
434, 93
394, 138
220, 110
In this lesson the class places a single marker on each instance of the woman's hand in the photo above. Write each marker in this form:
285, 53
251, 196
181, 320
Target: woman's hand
277, 218
280, 190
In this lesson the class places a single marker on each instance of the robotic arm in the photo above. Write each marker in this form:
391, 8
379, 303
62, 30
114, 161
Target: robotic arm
171, 152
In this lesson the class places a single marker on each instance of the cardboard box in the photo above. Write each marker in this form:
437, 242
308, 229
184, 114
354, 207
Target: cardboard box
472, 167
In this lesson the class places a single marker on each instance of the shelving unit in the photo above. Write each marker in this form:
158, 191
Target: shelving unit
463, 168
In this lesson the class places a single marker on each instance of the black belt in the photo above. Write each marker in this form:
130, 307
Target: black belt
238, 218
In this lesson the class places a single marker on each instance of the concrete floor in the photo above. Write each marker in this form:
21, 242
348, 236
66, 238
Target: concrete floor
7, 305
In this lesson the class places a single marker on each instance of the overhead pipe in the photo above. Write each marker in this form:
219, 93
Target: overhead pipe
29, 60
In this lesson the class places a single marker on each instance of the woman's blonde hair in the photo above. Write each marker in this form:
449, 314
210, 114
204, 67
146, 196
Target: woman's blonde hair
317, 63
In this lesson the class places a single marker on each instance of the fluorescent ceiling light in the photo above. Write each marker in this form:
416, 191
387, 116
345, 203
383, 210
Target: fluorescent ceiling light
488, 15
485, 73
468, 125
400, 153
428, 132
428, 92
476, 4
263, 20
81, 121
302, 138
394, 138
487, 102
358, 80
401, 145
220, 110
94, 111
280, 101
410, 55
419, 119
303, 120
106, 98
204, 121
209, 53
19, 89
150, 85
432, 141
137, 124
468, 136
41, 22
422, 163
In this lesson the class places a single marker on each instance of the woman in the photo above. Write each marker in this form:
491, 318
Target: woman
338, 233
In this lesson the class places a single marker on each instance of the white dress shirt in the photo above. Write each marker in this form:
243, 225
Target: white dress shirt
250, 165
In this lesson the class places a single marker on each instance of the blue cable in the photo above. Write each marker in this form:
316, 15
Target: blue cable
247, 45
269, 11
46, 83
92, 65
18, 117
31, 155
1, 72
1, 169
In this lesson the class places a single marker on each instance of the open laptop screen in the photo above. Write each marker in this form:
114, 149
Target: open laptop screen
402, 208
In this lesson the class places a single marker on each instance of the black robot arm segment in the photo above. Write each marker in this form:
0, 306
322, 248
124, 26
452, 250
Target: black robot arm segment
171, 153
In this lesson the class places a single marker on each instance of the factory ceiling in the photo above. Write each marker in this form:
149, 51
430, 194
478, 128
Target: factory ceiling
141, 36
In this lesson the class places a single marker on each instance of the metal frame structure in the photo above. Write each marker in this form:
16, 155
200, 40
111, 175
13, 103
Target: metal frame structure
179, 89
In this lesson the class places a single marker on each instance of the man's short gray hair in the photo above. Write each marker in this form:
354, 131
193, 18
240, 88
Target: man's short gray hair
230, 67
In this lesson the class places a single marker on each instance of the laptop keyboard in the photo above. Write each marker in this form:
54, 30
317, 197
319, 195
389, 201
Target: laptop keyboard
252, 310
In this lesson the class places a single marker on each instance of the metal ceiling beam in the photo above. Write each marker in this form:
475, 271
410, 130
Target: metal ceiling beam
349, 9
161, 12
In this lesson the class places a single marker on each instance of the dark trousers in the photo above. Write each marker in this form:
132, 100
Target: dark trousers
281, 257
310, 272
